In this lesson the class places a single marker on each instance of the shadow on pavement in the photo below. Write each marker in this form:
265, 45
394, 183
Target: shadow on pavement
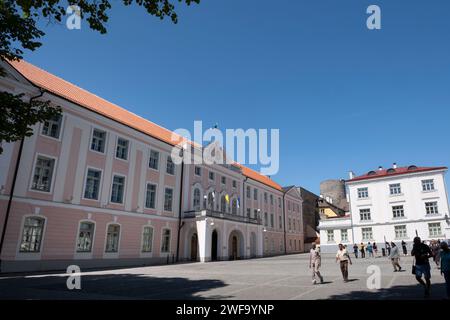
405, 292
111, 286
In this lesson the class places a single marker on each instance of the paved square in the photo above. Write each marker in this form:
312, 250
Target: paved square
286, 277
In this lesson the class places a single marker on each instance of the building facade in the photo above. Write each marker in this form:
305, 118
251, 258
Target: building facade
98, 187
398, 203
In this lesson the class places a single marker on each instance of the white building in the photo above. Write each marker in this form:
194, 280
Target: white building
396, 204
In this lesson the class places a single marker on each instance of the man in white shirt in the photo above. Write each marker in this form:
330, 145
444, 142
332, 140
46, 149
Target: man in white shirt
343, 258
314, 263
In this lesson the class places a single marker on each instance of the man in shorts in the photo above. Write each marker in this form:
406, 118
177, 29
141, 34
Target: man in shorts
421, 253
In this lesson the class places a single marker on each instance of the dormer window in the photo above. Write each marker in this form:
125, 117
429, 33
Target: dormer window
371, 173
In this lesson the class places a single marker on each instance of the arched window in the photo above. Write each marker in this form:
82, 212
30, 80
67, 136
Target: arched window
223, 204
112, 238
234, 206
85, 236
197, 199
33, 229
211, 200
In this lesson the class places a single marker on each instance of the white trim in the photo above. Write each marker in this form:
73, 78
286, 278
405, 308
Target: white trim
112, 255
55, 166
164, 199
30, 255
145, 196
146, 254
99, 128
114, 174
61, 133
150, 149
161, 253
100, 184
84, 254
128, 148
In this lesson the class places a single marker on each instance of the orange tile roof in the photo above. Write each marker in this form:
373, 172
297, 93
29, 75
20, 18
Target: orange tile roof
84, 98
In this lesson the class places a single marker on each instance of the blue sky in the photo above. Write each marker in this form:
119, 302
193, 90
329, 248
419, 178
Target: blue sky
344, 97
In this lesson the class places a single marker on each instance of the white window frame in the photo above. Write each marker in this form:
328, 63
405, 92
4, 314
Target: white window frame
24, 255
402, 237
128, 149
396, 210
105, 149
124, 188
200, 171
365, 229
165, 253
85, 254
344, 232
363, 193
84, 184
41, 128
434, 208
159, 159
330, 236
431, 235
147, 254
55, 167
112, 255
369, 212
156, 195
397, 187
428, 185
167, 165
164, 199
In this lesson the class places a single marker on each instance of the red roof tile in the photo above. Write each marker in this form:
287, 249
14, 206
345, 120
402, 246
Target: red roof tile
394, 172
84, 98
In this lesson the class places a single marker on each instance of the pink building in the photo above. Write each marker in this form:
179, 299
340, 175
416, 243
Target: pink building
97, 188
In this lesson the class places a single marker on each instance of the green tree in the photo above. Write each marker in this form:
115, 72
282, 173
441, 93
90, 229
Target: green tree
19, 32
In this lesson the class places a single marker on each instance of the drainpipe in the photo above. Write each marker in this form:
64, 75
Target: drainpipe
244, 195
180, 224
284, 220
13, 185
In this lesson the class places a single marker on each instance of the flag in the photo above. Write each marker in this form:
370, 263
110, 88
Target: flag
238, 202
227, 198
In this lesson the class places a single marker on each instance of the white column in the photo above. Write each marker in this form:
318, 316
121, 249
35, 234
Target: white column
204, 239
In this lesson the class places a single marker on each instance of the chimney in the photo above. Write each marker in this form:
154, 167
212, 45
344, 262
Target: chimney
394, 165
351, 175
380, 168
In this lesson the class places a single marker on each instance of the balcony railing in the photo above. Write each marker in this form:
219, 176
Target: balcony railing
221, 215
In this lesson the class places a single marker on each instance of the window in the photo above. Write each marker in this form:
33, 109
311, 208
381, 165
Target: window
234, 184
33, 229
272, 222
198, 171
170, 167
196, 199
255, 194
147, 239
211, 176
279, 202
431, 207
255, 212
428, 185
435, 229
211, 200
398, 211
224, 180
248, 192
43, 173
266, 219
52, 127
165, 243
153, 161
118, 187
150, 198
395, 189
112, 238
223, 204
122, 149
271, 199
280, 222
344, 235
248, 212
367, 234
98, 141
234, 206
92, 186
363, 193
364, 214
85, 237
265, 197
400, 232
330, 235
168, 199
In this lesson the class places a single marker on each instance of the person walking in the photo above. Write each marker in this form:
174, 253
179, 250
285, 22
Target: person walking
343, 258
437, 253
422, 253
405, 250
362, 250
388, 248
314, 263
395, 257
445, 266
355, 250
375, 249
370, 250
